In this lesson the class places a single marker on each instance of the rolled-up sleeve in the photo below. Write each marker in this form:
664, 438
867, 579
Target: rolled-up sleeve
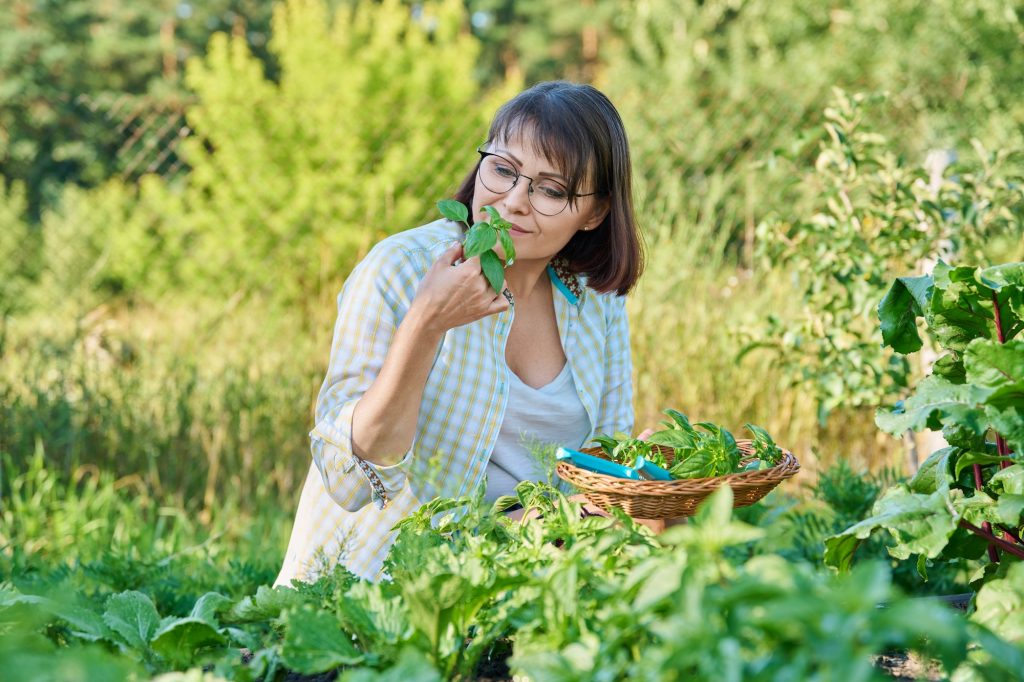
371, 305
616, 408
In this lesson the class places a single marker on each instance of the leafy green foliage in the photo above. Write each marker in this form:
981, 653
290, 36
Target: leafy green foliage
703, 451
481, 239
877, 215
569, 595
978, 390
626, 450
315, 643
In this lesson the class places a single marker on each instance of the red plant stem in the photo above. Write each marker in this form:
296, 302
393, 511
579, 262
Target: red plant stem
1004, 450
1003, 544
993, 553
1009, 533
1001, 336
999, 320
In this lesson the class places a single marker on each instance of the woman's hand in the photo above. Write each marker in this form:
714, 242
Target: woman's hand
453, 294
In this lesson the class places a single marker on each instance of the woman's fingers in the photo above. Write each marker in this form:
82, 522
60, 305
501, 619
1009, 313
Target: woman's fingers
645, 434
452, 256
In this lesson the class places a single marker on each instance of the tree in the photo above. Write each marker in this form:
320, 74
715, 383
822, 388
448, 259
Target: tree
375, 117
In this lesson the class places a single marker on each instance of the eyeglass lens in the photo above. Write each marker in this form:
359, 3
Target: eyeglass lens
546, 195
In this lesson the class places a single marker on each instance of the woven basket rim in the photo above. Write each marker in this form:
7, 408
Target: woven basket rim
786, 468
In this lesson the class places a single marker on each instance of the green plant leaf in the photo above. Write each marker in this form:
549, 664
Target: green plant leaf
315, 643
764, 446
493, 270
178, 639
933, 474
496, 218
999, 276
906, 300
674, 438
1009, 423
999, 605
960, 309
1009, 480
453, 210
132, 616
508, 246
267, 603
936, 403
999, 367
680, 421
969, 459
921, 524
951, 368
85, 624
695, 464
412, 666
479, 239
209, 605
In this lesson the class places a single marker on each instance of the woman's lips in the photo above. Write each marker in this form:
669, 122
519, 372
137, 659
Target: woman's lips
515, 229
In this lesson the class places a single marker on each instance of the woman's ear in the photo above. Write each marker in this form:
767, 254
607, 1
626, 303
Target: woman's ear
597, 215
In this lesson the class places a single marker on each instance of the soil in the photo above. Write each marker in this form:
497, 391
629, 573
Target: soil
901, 665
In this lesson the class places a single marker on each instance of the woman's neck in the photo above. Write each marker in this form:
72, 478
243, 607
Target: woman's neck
526, 278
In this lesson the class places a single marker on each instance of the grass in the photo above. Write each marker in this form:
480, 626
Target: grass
207, 400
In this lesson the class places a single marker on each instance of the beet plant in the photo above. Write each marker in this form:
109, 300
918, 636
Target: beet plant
967, 499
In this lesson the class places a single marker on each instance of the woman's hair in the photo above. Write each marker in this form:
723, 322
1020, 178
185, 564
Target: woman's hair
577, 128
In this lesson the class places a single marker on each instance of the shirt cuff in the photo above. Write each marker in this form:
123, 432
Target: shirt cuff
349, 479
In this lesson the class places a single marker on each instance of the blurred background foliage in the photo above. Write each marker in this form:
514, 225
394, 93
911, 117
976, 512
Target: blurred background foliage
186, 186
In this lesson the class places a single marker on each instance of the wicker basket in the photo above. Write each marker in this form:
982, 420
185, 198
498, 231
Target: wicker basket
672, 499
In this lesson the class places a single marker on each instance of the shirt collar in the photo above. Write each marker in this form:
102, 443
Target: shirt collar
568, 283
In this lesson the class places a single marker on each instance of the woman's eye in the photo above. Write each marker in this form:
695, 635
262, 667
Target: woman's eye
505, 171
553, 191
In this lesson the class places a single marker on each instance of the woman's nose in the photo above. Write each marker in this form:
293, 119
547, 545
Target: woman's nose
518, 198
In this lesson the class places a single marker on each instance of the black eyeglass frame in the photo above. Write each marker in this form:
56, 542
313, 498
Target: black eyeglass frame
529, 189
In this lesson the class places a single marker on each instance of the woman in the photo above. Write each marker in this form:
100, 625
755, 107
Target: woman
433, 378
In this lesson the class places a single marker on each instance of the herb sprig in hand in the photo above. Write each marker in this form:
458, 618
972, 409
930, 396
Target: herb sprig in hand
481, 238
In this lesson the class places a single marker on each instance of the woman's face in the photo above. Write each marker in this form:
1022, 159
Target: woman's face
536, 236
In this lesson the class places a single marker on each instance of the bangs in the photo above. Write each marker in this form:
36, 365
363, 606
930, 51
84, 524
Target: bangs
552, 130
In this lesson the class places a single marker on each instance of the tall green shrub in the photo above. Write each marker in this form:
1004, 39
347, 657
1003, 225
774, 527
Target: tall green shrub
374, 117
707, 88
872, 214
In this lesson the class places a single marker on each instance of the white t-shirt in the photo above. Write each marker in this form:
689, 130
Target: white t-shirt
551, 414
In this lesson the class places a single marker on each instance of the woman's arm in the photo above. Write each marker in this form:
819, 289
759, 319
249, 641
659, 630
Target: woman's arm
390, 321
450, 295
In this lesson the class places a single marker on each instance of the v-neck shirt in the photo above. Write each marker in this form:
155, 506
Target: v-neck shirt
551, 415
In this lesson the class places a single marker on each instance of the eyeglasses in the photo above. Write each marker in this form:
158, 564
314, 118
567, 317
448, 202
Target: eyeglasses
499, 175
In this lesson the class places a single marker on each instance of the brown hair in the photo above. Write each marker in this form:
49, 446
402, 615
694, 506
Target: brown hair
577, 128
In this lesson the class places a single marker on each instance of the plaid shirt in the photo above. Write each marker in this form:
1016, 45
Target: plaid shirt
348, 506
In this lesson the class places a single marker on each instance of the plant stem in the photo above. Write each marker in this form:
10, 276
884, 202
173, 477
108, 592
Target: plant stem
1010, 533
1001, 337
993, 553
1003, 544
1004, 450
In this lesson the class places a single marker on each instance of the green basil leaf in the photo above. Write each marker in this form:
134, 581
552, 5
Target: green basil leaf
453, 210
493, 270
479, 239
508, 245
